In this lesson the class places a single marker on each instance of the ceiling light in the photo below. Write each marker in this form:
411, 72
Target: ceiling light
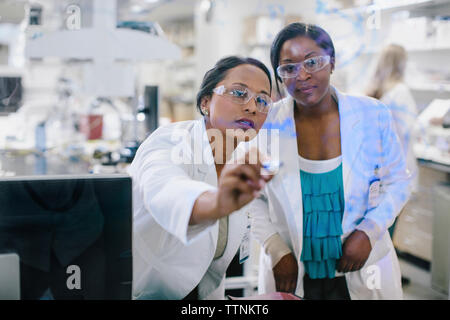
205, 5
136, 8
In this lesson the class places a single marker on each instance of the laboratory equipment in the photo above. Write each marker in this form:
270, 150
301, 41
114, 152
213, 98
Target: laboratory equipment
103, 121
151, 108
10, 94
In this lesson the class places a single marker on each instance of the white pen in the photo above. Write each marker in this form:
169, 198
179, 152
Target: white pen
271, 167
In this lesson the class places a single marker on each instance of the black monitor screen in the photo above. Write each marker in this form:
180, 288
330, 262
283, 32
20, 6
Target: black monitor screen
10, 94
72, 235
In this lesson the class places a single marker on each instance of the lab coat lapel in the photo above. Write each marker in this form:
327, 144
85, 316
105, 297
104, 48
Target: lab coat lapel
287, 185
351, 141
204, 167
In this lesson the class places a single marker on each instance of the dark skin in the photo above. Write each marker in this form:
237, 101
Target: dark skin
317, 124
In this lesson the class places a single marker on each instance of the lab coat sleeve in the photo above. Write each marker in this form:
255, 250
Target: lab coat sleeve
264, 230
261, 225
167, 189
394, 178
276, 248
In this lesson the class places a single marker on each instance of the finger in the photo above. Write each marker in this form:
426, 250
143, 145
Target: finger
267, 177
344, 265
293, 286
357, 267
248, 174
278, 285
255, 159
234, 183
354, 267
285, 286
348, 267
243, 192
288, 287
249, 171
256, 174
266, 173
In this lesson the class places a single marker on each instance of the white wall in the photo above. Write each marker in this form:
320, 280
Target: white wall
223, 35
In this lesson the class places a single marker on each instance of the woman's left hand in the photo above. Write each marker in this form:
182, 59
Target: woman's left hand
355, 252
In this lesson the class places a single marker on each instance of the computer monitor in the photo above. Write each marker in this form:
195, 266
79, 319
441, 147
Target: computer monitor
73, 235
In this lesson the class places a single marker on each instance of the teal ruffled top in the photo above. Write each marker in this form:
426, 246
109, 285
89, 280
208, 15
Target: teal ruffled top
323, 208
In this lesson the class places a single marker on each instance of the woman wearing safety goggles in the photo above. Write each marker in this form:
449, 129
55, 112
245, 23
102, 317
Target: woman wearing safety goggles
188, 198
323, 220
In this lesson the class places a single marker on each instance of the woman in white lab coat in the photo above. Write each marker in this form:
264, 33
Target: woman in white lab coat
327, 238
387, 85
187, 195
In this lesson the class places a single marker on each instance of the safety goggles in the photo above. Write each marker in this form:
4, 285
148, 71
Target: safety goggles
242, 95
311, 65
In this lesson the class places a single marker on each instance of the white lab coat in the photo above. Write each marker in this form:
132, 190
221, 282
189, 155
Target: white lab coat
404, 112
171, 169
368, 139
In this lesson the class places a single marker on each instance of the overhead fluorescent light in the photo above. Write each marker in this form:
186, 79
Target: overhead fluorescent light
205, 5
136, 8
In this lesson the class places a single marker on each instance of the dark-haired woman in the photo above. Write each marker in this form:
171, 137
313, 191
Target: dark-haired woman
323, 221
188, 198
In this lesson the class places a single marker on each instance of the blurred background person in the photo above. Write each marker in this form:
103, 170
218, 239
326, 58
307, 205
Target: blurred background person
387, 84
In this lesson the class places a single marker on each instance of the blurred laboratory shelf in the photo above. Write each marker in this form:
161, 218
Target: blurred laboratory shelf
419, 285
414, 228
430, 87
426, 48
393, 5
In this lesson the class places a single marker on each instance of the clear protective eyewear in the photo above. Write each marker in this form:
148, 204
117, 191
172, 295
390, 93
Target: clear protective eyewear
242, 95
311, 65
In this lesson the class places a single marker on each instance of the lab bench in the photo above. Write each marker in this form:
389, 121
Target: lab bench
31, 163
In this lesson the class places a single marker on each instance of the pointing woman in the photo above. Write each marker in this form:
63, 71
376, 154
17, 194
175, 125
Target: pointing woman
323, 220
188, 199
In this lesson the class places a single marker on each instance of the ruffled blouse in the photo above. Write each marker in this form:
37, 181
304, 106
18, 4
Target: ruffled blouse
323, 208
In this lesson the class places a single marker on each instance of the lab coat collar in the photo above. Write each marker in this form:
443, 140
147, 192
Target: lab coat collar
200, 142
287, 185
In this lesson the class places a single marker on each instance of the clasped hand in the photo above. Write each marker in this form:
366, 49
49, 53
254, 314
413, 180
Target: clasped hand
355, 252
